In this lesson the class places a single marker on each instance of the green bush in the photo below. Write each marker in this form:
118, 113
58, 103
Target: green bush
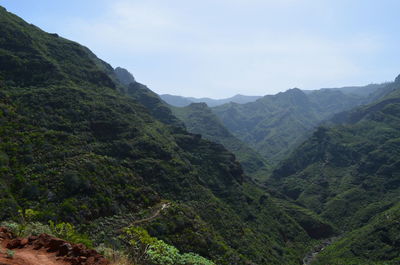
145, 249
68, 232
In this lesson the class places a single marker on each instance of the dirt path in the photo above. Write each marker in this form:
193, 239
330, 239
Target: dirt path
153, 216
45, 250
29, 256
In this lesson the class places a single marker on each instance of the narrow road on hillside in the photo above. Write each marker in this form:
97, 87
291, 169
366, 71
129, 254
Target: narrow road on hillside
153, 216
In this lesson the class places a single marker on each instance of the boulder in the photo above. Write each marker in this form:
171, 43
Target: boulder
55, 244
15, 243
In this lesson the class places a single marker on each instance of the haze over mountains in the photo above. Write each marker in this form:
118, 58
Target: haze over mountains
179, 101
267, 180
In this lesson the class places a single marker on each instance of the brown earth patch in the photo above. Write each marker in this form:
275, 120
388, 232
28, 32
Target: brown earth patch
45, 250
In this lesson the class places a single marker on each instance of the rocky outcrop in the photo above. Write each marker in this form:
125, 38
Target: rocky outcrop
74, 254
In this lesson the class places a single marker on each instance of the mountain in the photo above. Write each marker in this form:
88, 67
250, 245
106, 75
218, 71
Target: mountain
274, 125
200, 119
77, 145
124, 76
176, 101
348, 173
179, 101
363, 91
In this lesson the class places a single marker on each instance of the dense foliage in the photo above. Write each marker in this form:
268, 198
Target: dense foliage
377, 243
199, 119
349, 173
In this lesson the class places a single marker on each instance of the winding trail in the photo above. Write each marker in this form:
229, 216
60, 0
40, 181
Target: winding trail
153, 216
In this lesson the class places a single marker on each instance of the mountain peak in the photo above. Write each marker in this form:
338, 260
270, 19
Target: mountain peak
124, 76
397, 80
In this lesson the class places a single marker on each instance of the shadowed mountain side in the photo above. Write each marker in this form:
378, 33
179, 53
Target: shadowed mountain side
275, 125
199, 119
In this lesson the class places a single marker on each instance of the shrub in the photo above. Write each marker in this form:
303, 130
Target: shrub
144, 249
10, 254
68, 232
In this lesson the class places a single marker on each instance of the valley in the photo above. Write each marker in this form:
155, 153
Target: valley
90, 155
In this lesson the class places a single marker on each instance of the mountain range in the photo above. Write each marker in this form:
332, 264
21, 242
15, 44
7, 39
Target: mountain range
265, 180
179, 101
80, 146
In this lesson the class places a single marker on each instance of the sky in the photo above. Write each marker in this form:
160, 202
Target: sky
219, 48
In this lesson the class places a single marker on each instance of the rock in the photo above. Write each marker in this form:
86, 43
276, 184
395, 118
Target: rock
15, 243
64, 249
5, 233
24, 242
55, 244
91, 261
42, 241
32, 238
79, 250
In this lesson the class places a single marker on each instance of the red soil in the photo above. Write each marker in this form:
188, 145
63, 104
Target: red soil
45, 250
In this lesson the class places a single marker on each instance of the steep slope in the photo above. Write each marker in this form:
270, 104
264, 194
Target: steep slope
376, 243
179, 101
274, 125
349, 173
199, 119
73, 148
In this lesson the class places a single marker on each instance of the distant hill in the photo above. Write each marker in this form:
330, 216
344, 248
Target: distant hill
363, 91
274, 125
179, 101
200, 119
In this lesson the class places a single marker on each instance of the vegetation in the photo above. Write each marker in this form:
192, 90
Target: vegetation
348, 174
199, 119
275, 125
145, 249
64, 231
378, 242
88, 150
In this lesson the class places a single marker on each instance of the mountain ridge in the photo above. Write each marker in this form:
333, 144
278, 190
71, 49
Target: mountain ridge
79, 146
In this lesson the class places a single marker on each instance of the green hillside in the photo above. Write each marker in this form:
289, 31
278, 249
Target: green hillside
377, 243
274, 125
349, 174
74, 148
199, 119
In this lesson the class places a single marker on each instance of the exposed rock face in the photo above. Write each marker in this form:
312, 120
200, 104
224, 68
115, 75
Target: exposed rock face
75, 254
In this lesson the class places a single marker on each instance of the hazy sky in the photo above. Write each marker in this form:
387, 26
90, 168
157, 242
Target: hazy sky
218, 48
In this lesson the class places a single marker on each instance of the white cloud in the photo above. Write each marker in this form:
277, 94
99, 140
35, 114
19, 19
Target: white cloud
182, 49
